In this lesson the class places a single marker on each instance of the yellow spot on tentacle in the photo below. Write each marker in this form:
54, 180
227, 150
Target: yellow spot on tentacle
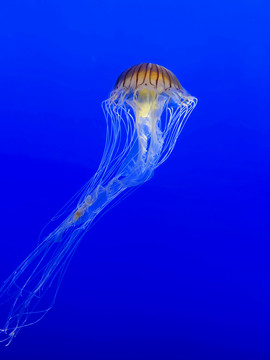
77, 214
85, 206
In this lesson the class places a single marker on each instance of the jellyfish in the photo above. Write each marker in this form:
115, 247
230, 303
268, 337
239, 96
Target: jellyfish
145, 113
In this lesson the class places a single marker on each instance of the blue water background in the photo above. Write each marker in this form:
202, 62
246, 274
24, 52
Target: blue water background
180, 269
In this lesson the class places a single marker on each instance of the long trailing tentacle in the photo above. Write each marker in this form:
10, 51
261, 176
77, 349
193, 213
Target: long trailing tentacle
32, 287
27, 287
127, 162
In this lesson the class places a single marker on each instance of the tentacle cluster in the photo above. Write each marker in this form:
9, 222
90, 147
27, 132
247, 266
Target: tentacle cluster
144, 121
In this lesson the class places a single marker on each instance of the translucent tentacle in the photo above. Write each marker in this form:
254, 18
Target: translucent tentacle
142, 129
27, 287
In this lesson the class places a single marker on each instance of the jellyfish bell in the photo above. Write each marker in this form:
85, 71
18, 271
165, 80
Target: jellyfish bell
148, 76
144, 85
145, 113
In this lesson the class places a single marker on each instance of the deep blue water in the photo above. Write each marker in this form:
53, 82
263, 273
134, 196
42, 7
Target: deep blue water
180, 269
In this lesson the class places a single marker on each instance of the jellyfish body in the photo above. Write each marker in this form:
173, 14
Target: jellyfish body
145, 114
